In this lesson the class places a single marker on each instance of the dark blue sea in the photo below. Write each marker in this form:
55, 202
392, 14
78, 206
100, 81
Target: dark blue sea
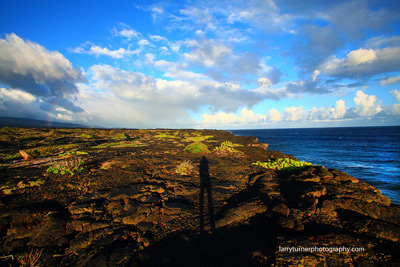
371, 154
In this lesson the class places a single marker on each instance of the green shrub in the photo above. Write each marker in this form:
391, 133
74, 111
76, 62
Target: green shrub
185, 168
282, 164
86, 136
227, 147
196, 147
41, 152
68, 166
121, 136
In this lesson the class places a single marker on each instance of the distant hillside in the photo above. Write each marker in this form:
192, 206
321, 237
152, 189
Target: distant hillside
21, 122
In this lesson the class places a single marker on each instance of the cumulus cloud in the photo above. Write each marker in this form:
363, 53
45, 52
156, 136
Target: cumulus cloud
246, 117
339, 111
361, 56
18, 103
137, 88
363, 62
42, 73
274, 115
17, 95
294, 113
366, 104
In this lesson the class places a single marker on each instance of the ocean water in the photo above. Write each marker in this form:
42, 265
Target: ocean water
371, 154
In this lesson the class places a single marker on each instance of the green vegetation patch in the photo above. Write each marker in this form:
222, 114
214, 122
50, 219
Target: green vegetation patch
9, 157
68, 166
283, 164
227, 147
197, 138
86, 136
42, 152
121, 136
70, 153
165, 135
196, 147
185, 168
8, 189
117, 144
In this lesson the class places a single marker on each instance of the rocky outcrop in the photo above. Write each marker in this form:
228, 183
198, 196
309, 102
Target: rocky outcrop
130, 208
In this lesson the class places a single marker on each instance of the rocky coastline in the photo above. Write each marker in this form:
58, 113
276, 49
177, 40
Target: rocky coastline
182, 198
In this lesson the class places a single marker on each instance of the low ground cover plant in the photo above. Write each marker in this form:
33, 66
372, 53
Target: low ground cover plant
86, 136
227, 147
165, 135
69, 166
197, 138
283, 164
121, 136
196, 147
185, 168
9, 157
117, 144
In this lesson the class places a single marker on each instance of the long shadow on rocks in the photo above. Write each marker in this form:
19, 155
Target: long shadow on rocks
243, 245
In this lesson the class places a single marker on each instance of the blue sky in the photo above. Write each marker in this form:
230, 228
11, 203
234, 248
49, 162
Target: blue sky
202, 64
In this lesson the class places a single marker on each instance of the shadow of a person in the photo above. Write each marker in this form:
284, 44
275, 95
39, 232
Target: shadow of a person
205, 184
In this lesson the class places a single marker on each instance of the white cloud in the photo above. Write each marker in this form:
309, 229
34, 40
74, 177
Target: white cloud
339, 111
390, 81
221, 63
102, 51
246, 117
361, 56
293, 113
366, 104
125, 31
263, 15
32, 68
124, 84
209, 54
396, 94
158, 38
98, 51
264, 82
16, 95
143, 42
363, 62
128, 33
315, 75
18, 103
180, 94
383, 41
274, 115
